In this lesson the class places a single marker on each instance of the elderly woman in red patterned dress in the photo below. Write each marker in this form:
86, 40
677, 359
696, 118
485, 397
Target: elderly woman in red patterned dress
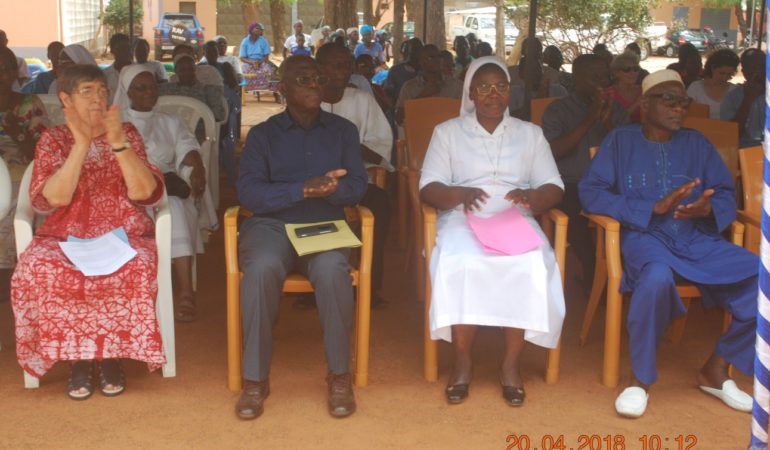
91, 176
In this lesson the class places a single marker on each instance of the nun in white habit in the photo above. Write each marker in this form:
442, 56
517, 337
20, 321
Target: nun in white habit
71, 55
482, 163
173, 148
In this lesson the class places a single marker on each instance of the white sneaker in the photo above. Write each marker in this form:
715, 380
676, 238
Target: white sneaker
731, 395
632, 402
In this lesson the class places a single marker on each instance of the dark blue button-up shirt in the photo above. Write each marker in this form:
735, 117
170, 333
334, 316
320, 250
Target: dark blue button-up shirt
280, 156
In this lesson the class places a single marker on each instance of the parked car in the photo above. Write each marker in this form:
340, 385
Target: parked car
678, 38
408, 29
177, 28
481, 22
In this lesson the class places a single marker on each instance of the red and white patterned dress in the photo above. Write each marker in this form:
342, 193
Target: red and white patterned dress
60, 313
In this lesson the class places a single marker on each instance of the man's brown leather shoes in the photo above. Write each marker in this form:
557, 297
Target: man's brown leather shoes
251, 402
342, 403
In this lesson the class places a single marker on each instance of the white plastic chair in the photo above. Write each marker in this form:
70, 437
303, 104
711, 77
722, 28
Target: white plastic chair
5, 189
23, 224
191, 111
53, 108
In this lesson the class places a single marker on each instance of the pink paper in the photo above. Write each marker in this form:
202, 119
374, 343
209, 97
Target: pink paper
505, 233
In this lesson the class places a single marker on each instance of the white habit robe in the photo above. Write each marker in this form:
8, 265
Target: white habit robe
471, 286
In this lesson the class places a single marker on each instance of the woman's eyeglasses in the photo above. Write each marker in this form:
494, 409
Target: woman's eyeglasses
308, 80
630, 69
672, 100
486, 89
91, 92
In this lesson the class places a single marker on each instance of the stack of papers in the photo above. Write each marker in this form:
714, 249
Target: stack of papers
342, 238
505, 233
102, 255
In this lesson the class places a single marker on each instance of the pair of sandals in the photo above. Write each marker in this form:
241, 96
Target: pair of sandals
457, 393
112, 380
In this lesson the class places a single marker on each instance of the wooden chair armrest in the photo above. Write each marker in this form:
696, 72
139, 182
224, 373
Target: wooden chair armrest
559, 218
378, 175
401, 155
429, 230
747, 218
231, 240
737, 230
606, 222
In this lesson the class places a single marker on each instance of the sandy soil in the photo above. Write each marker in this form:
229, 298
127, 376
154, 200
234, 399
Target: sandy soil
398, 409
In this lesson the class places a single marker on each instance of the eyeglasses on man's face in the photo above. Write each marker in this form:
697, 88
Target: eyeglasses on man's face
670, 100
309, 80
486, 88
630, 69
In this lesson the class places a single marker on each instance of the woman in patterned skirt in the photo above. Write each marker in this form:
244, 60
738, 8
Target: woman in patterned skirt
90, 177
255, 56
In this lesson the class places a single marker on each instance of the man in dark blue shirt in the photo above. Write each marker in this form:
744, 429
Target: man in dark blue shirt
300, 166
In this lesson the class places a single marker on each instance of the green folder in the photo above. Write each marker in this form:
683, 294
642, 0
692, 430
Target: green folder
342, 238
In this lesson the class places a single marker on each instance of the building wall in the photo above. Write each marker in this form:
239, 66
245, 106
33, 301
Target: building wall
68, 21
665, 13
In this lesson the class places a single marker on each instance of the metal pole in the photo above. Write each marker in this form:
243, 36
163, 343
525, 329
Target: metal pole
131, 21
424, 21
532, 18
762, 23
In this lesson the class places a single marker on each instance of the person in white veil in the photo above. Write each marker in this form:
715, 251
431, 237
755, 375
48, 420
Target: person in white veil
173, 148
69, 56
482, 163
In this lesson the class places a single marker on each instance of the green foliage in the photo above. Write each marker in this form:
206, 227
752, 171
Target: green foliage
116, 15
576, 26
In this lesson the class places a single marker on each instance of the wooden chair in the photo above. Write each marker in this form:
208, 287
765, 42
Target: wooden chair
554, 224
608, 272
752, 168
698, 110
538, 107
295, 283
23, 227
723, 135
378, 175
421, 117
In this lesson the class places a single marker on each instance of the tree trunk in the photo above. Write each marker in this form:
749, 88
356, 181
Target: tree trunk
436, 28
515, 56
398, 29
277, 15
340, 13
368, 14
739, 14
499, 30
379, 10
250, 12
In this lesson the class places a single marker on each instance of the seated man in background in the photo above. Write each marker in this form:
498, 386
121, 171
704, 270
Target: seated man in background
302, 165
429, 82
535, 84
43, 80
141, 55
746, 103
186, 83
205, 74
674, 197
376, 136
120, 47
573, 125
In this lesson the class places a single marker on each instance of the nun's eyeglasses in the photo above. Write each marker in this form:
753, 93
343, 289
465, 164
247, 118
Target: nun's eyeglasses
486, 88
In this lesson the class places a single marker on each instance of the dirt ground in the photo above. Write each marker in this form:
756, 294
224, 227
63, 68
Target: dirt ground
398, 410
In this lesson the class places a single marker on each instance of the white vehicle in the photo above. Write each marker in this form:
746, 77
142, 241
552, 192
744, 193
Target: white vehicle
481, 22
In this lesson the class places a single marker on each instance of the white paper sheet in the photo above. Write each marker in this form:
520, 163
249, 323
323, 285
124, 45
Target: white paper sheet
99, 256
